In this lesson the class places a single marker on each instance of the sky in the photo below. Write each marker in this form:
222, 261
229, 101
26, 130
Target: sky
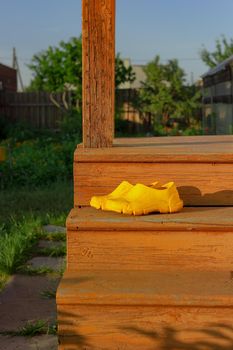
144, 28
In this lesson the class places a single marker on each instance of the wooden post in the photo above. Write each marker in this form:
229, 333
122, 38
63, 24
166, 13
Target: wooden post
98, 54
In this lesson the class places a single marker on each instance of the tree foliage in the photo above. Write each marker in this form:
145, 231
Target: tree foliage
165, 95
58, 68
223, 50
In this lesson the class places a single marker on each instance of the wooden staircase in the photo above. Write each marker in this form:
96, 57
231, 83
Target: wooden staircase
154, 282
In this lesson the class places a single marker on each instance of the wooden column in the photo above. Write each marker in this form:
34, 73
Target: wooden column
98, 35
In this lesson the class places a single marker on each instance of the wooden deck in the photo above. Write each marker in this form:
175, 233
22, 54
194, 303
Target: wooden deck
184, 288
159, 281
201, 167
172, 149
190, 240
189, 219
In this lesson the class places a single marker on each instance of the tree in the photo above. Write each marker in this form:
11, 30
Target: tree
223, 50
165, 95
58, 68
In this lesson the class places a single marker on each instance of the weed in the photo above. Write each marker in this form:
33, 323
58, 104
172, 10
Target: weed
16, 244
21, 229
48, 294
58, 220
31, 329
3, 280
55, 251
55, 236
35, 271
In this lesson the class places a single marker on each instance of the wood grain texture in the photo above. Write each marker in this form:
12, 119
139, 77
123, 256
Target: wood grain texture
147, 250
197, 183
188, 219
196, 149
145, 310
147, 288
201, 167
194, 239
144, 327
98, 37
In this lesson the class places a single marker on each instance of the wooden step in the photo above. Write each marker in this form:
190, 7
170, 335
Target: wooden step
201, 166
197, 239
134, 310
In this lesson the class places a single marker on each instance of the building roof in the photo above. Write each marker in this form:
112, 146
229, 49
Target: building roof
220, 67
6, 67
140, 75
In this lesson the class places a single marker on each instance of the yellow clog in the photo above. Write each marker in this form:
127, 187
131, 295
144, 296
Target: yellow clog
98, 202
141, 199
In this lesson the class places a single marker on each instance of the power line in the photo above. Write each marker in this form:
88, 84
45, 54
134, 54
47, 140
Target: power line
167, 59
24, 59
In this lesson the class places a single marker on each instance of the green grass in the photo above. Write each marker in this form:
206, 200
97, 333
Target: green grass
35, 271
16, 243
48, 294
31, 329
58, 220
55, 251
3, 280
55, 236
23, 212
51, 203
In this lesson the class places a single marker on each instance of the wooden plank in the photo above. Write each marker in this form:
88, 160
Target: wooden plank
215, 149
195, 239
198, 183
195, 288
98, 52
191, 219
144, 328
165, 251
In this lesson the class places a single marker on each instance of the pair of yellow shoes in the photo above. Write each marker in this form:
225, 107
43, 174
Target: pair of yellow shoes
140, 199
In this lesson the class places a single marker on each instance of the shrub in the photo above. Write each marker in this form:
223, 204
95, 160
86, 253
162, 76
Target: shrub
37, 162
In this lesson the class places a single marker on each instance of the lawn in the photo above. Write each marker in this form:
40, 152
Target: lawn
23, 212
51, 202
35, 187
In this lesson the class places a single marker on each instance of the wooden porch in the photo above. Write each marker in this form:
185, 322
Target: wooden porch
131, 279
160, 281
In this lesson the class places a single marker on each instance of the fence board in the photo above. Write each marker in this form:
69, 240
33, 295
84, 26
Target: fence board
39, 112
36, 109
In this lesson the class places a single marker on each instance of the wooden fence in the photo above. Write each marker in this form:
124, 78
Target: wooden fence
41, 110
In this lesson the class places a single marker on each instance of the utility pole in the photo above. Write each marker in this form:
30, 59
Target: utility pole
192, 78
15, 65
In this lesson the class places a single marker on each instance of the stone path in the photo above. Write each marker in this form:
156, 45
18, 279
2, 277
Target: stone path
25, 299
41, 342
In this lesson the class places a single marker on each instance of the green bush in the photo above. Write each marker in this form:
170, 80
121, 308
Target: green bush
37, 162
3, 128
71, 125
37, 157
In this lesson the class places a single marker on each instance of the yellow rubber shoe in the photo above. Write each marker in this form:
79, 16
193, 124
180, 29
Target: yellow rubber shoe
141, 199
99, 202
144, 200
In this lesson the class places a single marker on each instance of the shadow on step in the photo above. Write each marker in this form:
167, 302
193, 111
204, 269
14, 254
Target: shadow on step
192, 196
215, 336
103, 334
66, 320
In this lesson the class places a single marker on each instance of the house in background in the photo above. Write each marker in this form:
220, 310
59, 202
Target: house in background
127, 94
218, 99
8, 78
